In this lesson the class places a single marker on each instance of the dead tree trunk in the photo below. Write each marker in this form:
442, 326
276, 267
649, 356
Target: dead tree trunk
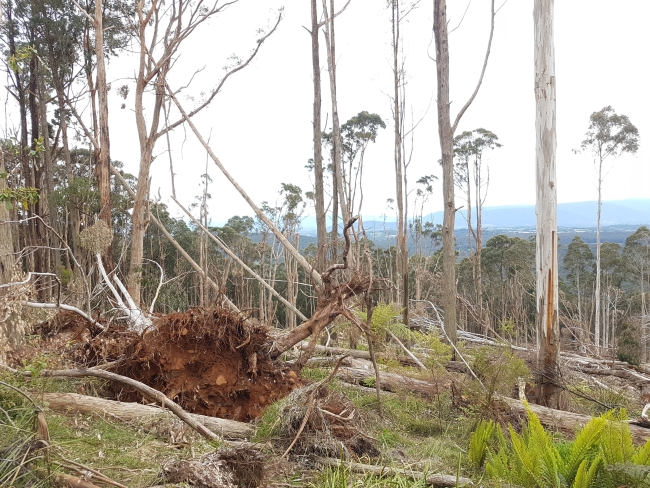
447, 147
103, 163
330, 42
548, 326
321, 226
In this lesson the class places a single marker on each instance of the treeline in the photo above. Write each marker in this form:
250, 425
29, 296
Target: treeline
57, 181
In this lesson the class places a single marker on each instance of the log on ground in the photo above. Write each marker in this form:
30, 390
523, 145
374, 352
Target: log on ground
567, 421
128, 411
390, 381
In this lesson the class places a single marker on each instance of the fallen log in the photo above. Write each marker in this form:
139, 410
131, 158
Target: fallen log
559, 419
355, 353
567, 421
456, 366
128, 411
619, 373
438, 480
140, 387
68, 481
389, 381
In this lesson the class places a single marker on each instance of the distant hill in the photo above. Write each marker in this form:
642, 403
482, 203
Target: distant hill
571, 215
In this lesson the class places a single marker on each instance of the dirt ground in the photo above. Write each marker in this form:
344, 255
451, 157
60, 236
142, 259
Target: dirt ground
208, 361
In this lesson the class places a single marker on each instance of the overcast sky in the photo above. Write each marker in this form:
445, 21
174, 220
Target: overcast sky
260, 124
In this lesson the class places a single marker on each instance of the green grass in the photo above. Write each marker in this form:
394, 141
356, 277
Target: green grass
429, 433
341, 477
268, 426
126, 452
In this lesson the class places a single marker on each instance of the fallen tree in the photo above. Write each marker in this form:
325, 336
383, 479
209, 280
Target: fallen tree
556, 419
392, 382
129, 411
141, 387
566, 421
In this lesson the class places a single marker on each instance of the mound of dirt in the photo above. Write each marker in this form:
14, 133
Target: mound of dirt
208, 361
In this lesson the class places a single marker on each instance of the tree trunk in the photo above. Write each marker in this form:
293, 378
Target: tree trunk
36, 173
103, 162
479, 248
321, 225
548, 327
7, 259
402, 251
567, 421
336, 128
447, 148
53, 256
597, 292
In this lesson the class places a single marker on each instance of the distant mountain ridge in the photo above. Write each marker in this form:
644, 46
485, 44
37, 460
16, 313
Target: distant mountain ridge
634, 211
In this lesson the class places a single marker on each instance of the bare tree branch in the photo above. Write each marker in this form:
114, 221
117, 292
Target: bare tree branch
227, 250
223, 80
281, 237
480, 80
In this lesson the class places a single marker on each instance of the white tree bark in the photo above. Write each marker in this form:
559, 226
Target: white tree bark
548, 327
597, 292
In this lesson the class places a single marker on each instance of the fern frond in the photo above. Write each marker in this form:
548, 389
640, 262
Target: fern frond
479, 441
584, 448
585, 477
616, 443
642, 454
541, 443
401, 331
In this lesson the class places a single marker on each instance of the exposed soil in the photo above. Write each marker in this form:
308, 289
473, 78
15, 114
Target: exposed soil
208, 361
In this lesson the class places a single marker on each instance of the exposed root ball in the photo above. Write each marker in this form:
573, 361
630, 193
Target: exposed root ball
208, 361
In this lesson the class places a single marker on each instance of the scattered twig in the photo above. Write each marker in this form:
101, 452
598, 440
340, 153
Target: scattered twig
83, 470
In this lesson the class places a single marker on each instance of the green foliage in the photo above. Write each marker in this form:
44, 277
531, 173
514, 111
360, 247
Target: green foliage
611, 134
24, 196
579, 262
602, 454
383, 319
66, 275
508, 329
478, 442
268, 426
19, 61
499, 371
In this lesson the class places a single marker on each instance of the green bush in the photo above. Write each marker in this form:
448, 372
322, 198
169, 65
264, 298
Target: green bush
499, 371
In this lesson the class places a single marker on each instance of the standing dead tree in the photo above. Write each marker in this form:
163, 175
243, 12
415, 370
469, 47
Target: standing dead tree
548, 325
446, 133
